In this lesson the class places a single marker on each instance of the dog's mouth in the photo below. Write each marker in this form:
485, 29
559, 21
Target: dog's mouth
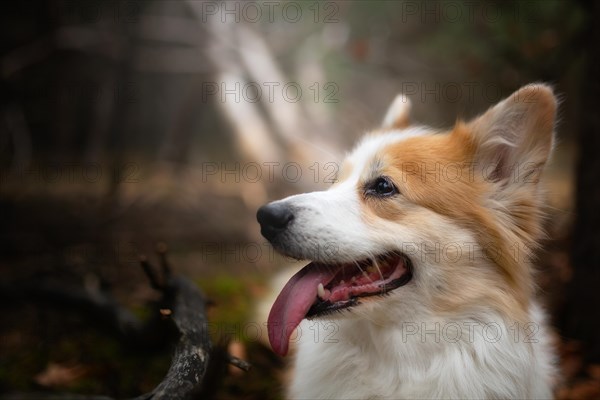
370, 277
319, 289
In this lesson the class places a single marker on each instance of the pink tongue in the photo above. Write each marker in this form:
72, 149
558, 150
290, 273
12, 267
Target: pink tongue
293, 303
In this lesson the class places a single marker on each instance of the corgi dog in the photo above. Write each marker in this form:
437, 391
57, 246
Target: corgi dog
421, 262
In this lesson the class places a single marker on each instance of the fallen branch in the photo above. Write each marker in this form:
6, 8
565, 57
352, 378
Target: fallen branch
195, 359
185, 305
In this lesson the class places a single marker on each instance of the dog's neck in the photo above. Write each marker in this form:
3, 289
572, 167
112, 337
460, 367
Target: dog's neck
428, 357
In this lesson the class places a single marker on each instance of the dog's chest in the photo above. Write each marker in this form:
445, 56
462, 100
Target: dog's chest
358, 364
345, 365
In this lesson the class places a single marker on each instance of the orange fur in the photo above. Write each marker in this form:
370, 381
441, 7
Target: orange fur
436, 172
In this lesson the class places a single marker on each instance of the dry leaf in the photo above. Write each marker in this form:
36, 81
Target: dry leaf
59, 375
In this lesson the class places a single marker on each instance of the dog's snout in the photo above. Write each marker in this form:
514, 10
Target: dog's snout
273, 219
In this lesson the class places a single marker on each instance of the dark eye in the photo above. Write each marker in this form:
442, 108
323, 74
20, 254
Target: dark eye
382, 186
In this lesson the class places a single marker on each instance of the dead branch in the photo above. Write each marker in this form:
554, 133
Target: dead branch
187, 311
182, 303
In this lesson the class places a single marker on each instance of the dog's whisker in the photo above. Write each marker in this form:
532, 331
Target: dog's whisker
378, 269
362, 270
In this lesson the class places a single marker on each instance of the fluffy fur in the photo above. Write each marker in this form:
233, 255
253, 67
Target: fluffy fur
468, 216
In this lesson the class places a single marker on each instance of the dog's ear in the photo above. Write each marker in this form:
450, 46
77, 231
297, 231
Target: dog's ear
398, 113
513, 139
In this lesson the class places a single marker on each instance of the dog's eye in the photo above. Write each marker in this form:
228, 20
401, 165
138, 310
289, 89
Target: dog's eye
382, 186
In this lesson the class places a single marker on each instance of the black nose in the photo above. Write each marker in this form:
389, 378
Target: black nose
273, 219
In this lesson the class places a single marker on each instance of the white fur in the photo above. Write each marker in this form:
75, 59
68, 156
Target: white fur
357, 359
398, 113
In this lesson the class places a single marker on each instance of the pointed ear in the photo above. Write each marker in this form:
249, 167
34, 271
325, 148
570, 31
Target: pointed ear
515, 137
398, 114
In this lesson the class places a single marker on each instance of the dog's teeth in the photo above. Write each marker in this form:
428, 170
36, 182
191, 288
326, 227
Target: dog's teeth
321, 291
342, 282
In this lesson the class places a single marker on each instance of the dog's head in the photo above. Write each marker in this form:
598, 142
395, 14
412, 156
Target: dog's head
419, 221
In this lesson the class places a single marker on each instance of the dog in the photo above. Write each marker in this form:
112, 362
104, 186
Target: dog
422, 261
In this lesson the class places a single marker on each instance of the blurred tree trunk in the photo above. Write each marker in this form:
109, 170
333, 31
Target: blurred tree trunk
580, 319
